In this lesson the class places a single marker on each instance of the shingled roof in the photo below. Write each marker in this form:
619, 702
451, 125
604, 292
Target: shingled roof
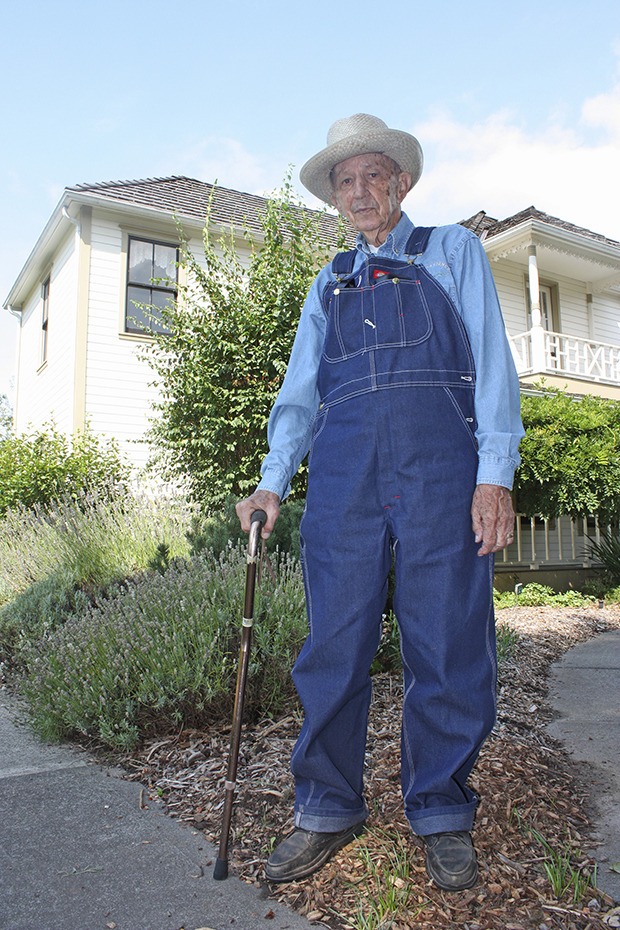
486, 226
187, 197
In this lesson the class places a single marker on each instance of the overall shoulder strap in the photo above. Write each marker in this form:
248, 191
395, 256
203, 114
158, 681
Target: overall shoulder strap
342, 263
418, 240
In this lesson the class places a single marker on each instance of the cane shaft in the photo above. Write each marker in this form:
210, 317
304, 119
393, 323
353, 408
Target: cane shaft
221, 866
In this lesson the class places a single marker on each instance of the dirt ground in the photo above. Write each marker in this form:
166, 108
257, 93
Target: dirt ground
533, 822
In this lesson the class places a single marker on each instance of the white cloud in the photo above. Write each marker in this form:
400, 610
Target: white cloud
500, 166
225, 160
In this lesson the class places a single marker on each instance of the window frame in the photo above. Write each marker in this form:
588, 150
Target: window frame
134, 329
45, 314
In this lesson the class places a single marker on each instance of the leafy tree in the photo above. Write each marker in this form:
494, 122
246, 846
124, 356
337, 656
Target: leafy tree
223, 359
6, 417
42, 466
570, 456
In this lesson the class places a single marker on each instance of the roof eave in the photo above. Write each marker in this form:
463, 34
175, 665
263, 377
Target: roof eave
58, 225
51, 232
532, 230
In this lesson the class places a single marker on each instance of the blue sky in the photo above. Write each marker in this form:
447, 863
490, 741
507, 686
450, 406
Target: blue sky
513, 104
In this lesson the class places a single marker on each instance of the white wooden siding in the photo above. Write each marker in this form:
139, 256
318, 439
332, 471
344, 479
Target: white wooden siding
120, 389
45, 392
573, 308
606, 318
510, 283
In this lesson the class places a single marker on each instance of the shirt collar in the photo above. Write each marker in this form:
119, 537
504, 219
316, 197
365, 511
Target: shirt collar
395, 242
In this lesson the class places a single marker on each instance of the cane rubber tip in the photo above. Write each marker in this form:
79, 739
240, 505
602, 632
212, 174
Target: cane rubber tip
220, 871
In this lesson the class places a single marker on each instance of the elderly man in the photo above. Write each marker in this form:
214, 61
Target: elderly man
402, 386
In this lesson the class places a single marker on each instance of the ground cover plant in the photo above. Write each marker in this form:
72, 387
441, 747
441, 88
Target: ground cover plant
161, 651
539, 595
55, 559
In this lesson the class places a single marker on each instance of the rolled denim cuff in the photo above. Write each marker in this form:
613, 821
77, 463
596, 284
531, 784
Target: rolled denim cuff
443, 819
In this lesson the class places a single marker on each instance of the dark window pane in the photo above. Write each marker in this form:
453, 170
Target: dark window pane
136, 316
143, 309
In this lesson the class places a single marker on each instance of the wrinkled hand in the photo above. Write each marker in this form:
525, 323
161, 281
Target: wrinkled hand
260, 500
492, 517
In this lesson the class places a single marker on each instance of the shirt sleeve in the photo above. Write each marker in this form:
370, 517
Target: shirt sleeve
290, 423
497, 395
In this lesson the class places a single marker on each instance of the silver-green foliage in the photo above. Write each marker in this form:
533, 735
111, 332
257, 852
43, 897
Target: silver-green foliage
94, 537
163, 651
56, 558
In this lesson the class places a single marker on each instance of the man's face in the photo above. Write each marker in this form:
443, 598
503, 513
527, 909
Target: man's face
368, 190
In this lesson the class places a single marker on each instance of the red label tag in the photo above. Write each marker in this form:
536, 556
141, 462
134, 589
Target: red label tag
377, 273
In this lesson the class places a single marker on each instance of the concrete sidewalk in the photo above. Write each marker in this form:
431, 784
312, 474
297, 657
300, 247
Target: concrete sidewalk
78, 851
585, 692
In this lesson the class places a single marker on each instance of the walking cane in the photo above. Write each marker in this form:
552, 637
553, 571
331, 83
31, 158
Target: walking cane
258, 519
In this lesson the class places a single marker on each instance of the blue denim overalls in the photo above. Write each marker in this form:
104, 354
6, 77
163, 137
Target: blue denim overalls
392, 472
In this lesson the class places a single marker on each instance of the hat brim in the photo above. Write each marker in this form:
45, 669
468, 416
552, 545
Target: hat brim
400, 146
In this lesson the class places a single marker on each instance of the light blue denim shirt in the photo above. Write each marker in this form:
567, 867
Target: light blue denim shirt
455, 258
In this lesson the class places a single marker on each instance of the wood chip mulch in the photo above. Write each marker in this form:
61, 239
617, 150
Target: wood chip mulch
531, 794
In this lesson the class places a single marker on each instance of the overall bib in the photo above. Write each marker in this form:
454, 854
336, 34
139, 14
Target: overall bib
392, 472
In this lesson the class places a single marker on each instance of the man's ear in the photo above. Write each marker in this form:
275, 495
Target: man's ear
404, 185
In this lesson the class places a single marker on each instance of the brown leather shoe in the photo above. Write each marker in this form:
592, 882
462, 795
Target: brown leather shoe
451, 860
304, 851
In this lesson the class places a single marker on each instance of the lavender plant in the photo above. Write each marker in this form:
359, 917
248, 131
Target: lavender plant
162, 651
55, 558
96, 537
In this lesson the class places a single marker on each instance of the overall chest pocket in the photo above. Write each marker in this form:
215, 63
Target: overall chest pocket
391, 314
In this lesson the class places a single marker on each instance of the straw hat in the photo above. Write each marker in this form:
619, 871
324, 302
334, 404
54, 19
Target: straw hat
358, 135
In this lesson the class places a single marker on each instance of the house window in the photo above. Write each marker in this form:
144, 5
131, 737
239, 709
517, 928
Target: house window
45, 298
151, 284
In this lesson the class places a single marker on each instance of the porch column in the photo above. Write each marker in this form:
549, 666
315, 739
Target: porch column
537, 331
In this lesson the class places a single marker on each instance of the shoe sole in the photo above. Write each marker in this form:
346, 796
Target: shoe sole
311, 868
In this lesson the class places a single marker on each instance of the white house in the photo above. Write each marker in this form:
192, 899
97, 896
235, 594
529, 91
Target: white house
77, 358
559, 286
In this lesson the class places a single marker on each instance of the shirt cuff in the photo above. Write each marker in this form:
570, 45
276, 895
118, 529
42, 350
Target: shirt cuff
275, 481
495, 470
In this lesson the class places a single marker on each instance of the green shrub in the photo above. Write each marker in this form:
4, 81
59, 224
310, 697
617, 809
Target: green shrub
39, 467
223, 357
215, 532
539, 595
163, 651
607, 550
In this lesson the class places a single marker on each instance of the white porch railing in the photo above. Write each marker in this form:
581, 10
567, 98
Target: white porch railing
558, 542
542, 352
